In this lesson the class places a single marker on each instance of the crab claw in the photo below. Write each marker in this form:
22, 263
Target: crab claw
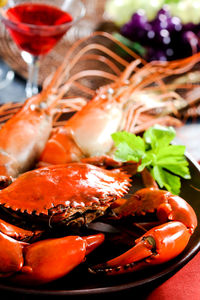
167, 206
48, 260
11, 255
158, 245
93, 241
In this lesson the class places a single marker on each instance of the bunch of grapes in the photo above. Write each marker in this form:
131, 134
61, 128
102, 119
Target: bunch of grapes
165, 37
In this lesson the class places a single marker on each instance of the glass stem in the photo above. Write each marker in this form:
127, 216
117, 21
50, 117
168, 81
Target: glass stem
32, 82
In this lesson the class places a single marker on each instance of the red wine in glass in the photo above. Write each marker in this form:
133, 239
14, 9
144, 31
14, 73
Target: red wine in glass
42, 40
36, 27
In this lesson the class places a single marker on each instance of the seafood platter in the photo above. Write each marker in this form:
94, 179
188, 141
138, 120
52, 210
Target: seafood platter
93, 192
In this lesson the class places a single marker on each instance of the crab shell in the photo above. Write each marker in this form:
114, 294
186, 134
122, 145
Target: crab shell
70, 193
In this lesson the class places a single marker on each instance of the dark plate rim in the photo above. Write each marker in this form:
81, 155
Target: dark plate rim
111, 289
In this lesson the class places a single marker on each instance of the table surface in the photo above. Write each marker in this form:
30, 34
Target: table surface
188, 135
14, 92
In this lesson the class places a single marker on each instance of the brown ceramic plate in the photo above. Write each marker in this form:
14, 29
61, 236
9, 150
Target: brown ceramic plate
80, 282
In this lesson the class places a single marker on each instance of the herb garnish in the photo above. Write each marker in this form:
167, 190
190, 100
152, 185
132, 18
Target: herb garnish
165, 162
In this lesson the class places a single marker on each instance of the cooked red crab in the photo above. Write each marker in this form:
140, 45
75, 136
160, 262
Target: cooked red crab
72, 193
78, 193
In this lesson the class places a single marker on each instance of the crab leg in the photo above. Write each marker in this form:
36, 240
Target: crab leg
161, 243
18, 233
43, 261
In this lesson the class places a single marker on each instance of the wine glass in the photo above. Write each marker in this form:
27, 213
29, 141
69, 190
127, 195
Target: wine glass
36, 26
6, 76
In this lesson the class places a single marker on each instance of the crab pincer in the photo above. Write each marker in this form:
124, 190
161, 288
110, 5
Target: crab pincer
159, 244
46, 260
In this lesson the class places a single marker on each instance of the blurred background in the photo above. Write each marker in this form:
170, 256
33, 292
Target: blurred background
155, 29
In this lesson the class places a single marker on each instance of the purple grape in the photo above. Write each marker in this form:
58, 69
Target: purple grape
161, 21
137, 28
174, 24
167, 21
166, 38
164, 25
164, 11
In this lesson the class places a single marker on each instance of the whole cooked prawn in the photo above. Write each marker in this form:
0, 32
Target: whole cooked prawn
136, 99
24, 135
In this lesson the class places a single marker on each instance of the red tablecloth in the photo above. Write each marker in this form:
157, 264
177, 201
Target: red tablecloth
184, 285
